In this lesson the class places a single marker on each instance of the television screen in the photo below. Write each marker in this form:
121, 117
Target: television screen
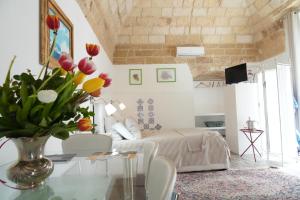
236, 74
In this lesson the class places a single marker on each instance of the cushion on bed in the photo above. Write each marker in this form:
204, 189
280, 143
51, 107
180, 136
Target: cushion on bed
121, 129
133, 127
109, 122
115, 135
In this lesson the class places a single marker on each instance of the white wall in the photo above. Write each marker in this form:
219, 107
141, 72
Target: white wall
241, 102
20, 36
173, 101
208, 100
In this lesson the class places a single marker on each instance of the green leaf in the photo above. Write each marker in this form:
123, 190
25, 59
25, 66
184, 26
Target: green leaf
7, 122
36, 109
18, 133
43, 123
13, 108
46, 110
19, 116
24, 93
27, 78
17, 77
60, 133
7, 80
4, 97
26, 108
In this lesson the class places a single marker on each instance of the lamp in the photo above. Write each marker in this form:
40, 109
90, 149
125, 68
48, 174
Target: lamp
110, 109
122, 106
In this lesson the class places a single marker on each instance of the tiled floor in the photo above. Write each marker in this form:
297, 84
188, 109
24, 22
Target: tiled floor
247, 162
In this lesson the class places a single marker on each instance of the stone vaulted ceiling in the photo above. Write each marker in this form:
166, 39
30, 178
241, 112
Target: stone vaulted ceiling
107, 18
181, 22
213, 21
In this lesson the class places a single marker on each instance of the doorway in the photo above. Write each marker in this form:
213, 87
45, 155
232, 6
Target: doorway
281, 143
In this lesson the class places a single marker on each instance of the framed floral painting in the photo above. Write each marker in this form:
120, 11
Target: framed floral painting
165, 75
64, 41
135, 77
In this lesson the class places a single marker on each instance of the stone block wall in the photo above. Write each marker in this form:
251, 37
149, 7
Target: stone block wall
210, 66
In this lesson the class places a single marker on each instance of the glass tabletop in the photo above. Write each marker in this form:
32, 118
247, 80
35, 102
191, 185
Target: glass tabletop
94, 178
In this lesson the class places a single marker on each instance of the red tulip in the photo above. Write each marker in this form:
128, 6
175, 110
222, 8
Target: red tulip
85, 124
66, 62
103, 76
53, 22
107, 80
86, 66
92, 49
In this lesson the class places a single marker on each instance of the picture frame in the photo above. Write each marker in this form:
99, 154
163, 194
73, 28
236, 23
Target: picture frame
166, 75
135, 77
65, 38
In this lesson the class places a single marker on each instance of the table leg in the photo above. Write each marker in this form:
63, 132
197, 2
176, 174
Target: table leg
248, 146
246, 150
252, 146
255, 141
257, 150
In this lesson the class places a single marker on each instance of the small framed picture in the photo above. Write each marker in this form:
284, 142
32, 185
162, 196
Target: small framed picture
165, 75
135, 77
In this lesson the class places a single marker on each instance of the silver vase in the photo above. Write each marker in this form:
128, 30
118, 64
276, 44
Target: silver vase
32, 167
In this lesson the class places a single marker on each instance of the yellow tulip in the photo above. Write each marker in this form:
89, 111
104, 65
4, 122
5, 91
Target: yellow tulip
93, 85
63, 72
78, 80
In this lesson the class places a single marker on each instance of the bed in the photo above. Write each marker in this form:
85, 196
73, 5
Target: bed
192, 149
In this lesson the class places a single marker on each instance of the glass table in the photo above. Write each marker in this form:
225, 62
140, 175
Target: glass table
95, 178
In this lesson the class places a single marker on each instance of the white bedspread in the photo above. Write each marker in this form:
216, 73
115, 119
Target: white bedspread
191, 149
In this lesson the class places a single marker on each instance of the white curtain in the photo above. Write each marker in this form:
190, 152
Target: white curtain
292, 23
286, 112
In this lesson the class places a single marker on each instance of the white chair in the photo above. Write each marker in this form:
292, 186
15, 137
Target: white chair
161, 180
87, 144
150, 151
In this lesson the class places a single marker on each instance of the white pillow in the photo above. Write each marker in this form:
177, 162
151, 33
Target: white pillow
133, 127
115, 136
121, 129
109, 122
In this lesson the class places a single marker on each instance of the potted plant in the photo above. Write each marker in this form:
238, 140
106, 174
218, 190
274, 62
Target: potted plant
33, 108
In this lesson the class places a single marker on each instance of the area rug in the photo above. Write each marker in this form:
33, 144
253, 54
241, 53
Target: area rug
254, 184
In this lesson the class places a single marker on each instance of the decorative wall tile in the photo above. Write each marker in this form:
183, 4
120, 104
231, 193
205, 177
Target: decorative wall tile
146, 115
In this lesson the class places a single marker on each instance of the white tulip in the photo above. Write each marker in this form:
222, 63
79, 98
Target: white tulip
47, 96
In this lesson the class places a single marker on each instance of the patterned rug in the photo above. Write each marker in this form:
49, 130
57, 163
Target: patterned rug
254, 184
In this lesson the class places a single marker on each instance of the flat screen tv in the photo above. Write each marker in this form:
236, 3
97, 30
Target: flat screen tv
236, 74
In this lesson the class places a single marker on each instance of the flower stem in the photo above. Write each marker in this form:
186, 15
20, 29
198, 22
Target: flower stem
69, 82
47, 80
46, 65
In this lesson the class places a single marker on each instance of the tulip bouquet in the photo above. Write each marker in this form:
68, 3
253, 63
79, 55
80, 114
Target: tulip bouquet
49, 104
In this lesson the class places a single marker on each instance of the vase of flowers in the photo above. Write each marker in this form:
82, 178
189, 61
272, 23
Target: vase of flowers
33, 108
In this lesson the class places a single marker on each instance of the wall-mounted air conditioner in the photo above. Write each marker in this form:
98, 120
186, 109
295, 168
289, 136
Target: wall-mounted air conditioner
190, 51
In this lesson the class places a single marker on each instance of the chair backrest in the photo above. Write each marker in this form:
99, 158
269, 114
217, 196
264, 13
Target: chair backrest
86, 144
161, 180
150, 151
